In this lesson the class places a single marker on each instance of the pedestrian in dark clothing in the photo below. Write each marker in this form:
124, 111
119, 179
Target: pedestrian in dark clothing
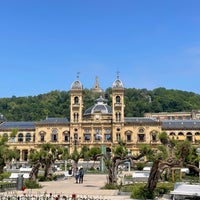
81, 174
76, 174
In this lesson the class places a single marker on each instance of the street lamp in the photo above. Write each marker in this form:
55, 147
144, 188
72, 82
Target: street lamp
198, 153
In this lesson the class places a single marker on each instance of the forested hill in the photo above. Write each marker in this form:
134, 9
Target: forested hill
137, 102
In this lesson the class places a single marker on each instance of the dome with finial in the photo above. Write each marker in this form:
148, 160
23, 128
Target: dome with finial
76, 85
118, 83
100, 106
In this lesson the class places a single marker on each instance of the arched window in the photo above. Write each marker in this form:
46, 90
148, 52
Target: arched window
180, 136
76, 100
118, 99
54, 135
128, 136
189, 136
42, 136
28, 137
154, 136
20, 137
141, 135
5, 135
66, 136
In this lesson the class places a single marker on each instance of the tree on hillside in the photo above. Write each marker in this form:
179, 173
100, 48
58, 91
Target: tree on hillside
138, 101
46, 156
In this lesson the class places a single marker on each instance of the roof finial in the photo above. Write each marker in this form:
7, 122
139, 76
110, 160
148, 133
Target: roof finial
117, 74
77, 75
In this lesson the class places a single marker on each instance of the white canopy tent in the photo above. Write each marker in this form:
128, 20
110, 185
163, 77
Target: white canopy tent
185, 191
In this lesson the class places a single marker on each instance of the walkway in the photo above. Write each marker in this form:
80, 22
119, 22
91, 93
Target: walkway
91, 186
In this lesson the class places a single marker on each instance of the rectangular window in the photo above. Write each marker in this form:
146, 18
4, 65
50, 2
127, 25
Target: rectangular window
54, 138
41, 138
97, 137
141, 137
118, 136
128, 138
87, 137
108, 137
66, 138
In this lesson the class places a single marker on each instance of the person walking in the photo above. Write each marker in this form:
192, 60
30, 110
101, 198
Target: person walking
76, 174
81, 174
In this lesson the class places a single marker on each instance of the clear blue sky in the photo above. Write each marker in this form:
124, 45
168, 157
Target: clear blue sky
152, 43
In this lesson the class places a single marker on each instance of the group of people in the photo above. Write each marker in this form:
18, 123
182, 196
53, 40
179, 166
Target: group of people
79, 174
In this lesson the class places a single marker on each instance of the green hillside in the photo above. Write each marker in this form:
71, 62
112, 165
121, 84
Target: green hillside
137, 101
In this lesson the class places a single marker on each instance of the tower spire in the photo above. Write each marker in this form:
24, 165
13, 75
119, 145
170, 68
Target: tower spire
118, 74
77, 75
96, 88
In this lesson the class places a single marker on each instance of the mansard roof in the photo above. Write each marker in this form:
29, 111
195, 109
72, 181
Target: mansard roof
53, 121
17, 125
180, 124
140, 120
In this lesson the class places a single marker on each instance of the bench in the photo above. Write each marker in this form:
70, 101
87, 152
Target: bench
67, 175
14, 176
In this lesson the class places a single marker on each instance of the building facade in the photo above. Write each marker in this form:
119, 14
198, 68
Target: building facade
99, 125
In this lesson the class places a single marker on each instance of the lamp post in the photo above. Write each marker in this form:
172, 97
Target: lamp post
198, 153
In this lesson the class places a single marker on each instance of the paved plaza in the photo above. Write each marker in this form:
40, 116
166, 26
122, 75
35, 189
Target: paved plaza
91, 186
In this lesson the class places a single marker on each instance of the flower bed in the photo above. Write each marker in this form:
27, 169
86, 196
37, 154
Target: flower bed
45, 196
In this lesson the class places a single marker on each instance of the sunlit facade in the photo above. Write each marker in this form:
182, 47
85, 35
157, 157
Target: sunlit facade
100, 125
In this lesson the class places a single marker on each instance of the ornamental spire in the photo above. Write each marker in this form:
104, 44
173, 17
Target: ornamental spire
118, 74
77, 75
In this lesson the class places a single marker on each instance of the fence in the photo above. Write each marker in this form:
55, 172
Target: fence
50, 197
7, 186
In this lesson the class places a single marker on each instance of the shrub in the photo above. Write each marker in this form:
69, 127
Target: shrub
58, 176
140, 166
110, 186
4, 175
31, 184
43, 178
164, 188
142, 192
138, 190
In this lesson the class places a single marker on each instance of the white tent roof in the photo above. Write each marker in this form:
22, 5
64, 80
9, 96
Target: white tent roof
186, 190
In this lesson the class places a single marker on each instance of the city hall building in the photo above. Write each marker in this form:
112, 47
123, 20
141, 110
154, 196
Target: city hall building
100, 125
